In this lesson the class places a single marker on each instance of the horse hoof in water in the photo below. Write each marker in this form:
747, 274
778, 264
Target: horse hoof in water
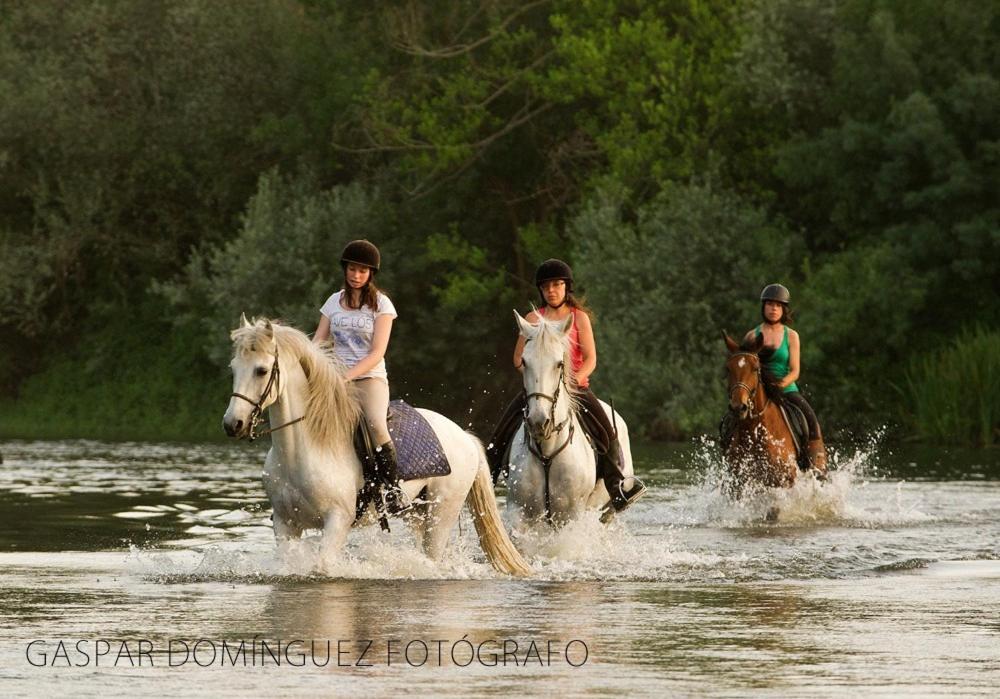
772, 515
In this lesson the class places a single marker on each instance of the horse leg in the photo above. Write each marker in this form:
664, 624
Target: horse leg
418, 517
735, 477
439, 520
732, 485
285, 529
526, 492
336, 526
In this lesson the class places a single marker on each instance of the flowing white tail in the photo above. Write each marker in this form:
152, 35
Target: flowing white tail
493, 536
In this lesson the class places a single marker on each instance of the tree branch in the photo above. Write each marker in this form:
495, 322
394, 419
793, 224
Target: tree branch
522, 116
455, 50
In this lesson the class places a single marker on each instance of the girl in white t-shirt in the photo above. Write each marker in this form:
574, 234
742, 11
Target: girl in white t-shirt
358, 319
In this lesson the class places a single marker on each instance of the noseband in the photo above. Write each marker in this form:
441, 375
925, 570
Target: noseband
256, 415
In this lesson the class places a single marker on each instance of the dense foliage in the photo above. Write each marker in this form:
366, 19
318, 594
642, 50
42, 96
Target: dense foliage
165, 166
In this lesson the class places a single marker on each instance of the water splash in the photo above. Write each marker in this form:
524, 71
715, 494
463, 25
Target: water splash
249, 553
191, 523
839, 500
586, 549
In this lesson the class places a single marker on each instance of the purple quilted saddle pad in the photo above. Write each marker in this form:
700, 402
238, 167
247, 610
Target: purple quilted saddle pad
418, 450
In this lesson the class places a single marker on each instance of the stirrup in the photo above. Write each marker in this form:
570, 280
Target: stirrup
396, 501
622, 500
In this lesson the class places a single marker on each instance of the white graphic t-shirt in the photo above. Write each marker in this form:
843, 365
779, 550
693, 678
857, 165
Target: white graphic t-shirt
352, 330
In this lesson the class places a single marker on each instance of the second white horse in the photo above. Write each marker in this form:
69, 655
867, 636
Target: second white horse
553, 468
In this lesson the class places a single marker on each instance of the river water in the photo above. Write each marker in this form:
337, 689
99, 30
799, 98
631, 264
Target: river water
150, 569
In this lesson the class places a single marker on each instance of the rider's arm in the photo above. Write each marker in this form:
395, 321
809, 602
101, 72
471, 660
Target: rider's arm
519, 345
322, 330
588, 347
793, 359
380, 342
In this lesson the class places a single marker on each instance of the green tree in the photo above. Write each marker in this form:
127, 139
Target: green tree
283, 263
156, 120
689, 265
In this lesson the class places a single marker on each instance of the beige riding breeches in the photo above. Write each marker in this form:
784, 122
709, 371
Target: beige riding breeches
373, 394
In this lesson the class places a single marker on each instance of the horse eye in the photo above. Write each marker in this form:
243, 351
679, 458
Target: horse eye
261, 371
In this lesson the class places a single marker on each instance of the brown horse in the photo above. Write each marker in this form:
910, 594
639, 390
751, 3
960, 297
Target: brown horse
761, 451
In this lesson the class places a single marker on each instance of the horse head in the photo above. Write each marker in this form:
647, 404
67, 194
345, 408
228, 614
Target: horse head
256, 376
743, 369
546, 375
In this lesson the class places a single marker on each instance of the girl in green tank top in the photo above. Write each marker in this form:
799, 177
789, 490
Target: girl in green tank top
777, 362
779, 356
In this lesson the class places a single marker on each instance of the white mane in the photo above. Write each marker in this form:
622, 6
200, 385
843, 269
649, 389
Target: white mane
547, 339
332, 410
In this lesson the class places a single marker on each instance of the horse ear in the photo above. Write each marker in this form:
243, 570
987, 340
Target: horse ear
566, 324
758, 343
268, 330
244, 323
526, 328
730, 342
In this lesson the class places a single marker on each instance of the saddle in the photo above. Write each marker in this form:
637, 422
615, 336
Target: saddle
794, 418
799, 427
419, 454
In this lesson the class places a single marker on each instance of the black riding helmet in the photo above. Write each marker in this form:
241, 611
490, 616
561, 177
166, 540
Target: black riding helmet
775, 292
361, 252
554, 269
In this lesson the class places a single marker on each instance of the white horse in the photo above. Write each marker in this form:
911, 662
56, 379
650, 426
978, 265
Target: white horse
553, 469
312, 474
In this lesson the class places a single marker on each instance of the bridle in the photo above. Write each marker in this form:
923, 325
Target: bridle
534, 447
557, 428
256, 415
752, 392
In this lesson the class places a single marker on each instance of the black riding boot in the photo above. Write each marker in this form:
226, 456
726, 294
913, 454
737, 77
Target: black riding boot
503, 433
610, 465
396, 502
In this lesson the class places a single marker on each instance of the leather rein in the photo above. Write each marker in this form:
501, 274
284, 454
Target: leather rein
256, 415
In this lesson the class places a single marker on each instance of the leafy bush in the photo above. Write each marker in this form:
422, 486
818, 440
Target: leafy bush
954, 393
138, 379
857, 316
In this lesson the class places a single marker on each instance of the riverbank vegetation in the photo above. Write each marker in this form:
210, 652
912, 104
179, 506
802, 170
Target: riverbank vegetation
954, 392
166, 166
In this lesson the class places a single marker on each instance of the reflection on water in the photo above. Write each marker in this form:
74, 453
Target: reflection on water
886, 577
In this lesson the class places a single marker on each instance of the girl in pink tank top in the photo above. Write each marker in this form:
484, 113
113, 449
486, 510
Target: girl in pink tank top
554, 280
575, 350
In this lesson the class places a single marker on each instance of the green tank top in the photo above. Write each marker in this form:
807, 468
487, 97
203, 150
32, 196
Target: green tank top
777, 364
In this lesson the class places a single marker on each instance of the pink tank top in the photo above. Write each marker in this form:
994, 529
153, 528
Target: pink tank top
575, 351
